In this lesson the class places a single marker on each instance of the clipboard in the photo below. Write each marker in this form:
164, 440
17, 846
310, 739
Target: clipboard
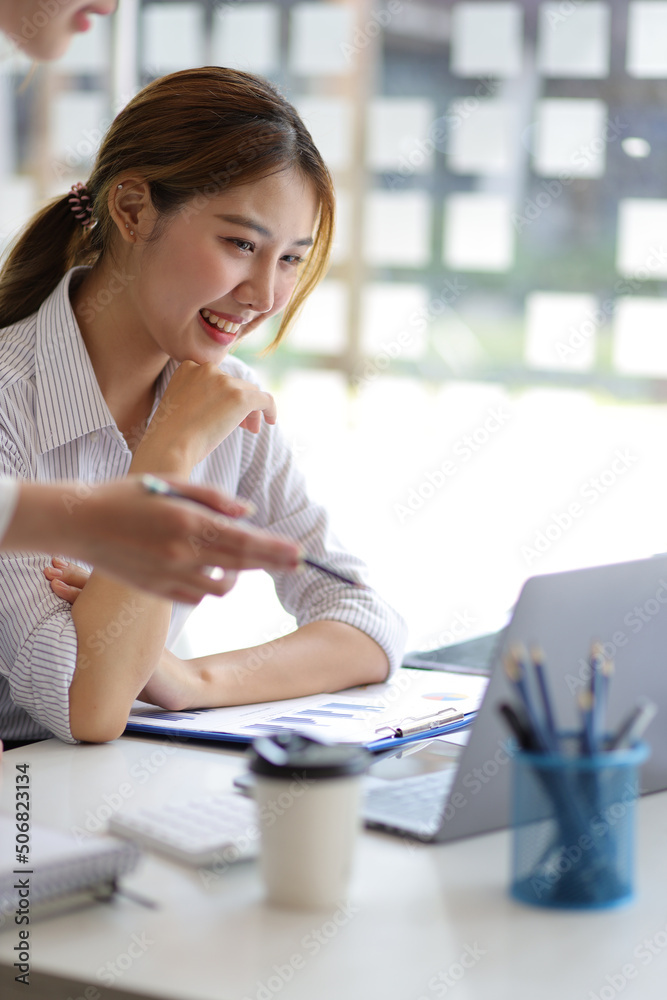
415, 704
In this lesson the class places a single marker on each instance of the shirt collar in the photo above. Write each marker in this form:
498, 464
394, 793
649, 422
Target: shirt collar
69, 400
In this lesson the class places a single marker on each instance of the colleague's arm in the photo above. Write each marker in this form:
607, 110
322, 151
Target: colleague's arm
154, 543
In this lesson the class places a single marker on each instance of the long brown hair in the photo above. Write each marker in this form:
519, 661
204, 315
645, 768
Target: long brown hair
191, 135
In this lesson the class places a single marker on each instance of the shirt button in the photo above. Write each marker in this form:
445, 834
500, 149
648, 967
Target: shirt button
94, 436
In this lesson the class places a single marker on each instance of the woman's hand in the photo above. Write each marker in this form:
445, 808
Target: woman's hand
171, 685
66, 579
200, 408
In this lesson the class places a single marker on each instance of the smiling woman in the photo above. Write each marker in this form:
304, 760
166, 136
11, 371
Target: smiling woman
43, 29
208, 210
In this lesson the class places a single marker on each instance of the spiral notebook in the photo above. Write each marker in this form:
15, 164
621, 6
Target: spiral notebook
58, 874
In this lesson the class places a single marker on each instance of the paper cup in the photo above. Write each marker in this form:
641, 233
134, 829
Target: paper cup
308, 797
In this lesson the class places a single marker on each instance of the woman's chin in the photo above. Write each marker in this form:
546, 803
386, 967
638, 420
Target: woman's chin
52, 45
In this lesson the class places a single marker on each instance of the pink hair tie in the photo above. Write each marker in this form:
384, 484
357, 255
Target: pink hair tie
81, 205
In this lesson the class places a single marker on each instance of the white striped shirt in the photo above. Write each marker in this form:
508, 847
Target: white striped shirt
55, 425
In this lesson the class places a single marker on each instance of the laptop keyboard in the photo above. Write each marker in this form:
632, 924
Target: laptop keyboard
412, 805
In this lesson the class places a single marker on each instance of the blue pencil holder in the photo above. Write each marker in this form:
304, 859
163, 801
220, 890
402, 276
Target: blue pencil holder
573, 821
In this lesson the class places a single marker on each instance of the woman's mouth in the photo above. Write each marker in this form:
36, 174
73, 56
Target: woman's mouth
222, 330
82, 21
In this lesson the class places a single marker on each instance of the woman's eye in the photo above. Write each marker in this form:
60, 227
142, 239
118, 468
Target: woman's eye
245, 245
293, 258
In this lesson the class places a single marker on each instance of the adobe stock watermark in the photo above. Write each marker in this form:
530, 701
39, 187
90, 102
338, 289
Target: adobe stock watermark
579, 335
31, 26
634, 620
473, 781
644, 953
444, 981
417, 322
552, 189
141, 772
593, 844
458, 627
439, 132
116, 968
85, 149
258, 656
462, 452
591, 491
561, 13
94, 304
267, 815
311, 944
220, 181
364, 34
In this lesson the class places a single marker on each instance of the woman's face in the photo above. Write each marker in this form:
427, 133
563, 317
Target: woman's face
43, 29
219, 268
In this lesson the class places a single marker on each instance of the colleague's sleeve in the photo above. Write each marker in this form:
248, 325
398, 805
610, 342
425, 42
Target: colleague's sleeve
38, 641
9, 494
271, 480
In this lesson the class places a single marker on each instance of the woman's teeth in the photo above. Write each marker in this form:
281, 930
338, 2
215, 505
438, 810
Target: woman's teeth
222, 324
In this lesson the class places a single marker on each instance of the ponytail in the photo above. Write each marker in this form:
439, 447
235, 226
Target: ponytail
53, 242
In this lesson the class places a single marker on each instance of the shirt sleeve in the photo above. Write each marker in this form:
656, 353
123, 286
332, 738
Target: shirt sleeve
271, 480
9, 494
38, 640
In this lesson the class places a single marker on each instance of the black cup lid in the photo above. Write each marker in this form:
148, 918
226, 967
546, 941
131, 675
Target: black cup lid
283, 754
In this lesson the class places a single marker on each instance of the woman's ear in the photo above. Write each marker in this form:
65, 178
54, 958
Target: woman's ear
131, 208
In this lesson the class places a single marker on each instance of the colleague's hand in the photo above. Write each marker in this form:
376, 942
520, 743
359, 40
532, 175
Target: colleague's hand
201, 406
164, 545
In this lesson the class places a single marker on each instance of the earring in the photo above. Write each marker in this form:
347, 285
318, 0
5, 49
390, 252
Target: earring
120, 187
131, 232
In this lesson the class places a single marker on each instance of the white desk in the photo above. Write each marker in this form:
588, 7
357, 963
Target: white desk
415, 910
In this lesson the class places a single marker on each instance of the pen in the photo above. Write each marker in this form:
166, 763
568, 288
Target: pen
152, 484
634, 725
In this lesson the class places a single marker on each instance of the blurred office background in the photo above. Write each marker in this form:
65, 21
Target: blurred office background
477, 390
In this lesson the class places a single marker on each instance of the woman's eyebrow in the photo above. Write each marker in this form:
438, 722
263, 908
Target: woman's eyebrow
243, 220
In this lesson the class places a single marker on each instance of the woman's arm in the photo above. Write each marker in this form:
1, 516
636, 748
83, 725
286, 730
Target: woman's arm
322, 656
121, 632
346, 636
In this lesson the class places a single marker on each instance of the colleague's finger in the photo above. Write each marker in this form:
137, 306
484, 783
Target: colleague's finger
246, 548
213, 498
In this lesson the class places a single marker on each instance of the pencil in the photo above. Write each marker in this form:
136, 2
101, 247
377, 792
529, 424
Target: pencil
537, 657
516, 671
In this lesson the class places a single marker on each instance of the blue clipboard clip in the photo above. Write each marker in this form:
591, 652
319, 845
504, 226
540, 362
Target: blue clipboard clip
412, 725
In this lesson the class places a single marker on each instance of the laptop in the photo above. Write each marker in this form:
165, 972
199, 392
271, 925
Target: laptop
467, 791
473, 656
